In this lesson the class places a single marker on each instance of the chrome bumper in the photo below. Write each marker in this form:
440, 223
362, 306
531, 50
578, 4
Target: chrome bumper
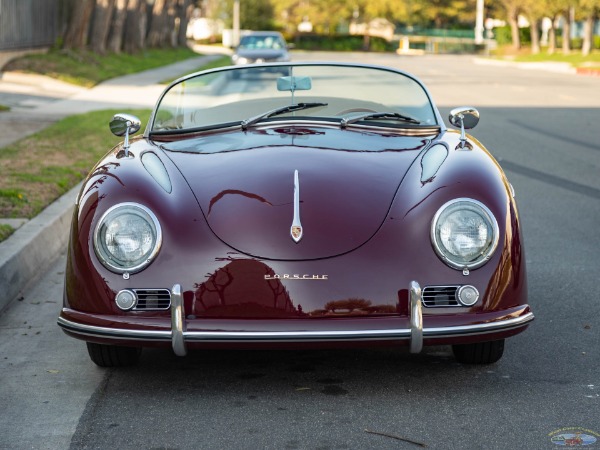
179, 336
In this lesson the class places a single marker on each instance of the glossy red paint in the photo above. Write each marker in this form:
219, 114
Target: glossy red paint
367, 198
342, 203
221, 281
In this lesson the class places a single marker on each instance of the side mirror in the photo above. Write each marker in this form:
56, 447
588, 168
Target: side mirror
125, 125
464, 118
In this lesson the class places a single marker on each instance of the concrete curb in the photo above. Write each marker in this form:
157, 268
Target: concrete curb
33, 247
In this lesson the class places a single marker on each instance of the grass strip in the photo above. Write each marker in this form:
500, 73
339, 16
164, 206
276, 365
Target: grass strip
5, 231
576, 59
86, 68
37, 170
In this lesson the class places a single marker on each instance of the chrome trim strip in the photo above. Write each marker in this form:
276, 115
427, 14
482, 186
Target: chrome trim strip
292, 336
296, 336
296, 229
177, 321
481, 328
113, 333
416, 318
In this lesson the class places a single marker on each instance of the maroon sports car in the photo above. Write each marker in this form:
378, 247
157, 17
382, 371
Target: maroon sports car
295, 205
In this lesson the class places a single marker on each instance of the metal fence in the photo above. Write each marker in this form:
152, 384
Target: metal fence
28, 24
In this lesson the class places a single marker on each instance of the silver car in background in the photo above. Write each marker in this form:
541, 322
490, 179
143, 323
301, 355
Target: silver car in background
261, 47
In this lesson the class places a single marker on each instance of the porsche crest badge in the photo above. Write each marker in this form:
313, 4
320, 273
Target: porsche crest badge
296, 233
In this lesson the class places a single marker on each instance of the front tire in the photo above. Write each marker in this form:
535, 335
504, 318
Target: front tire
479, 352
112, 355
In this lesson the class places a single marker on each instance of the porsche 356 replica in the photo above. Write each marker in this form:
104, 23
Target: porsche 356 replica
295, 205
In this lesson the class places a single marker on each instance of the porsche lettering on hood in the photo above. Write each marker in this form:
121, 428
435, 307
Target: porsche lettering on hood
252, 211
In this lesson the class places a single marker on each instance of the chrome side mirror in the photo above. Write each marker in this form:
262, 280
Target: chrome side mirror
464, 118
125, 125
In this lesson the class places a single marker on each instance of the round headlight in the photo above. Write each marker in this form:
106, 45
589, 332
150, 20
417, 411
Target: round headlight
127, 238
464, 233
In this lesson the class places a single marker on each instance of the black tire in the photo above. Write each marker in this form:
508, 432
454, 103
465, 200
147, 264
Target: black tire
112, 355
479, 353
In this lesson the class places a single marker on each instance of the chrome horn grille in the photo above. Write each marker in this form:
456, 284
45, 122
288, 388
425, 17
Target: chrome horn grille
152, 299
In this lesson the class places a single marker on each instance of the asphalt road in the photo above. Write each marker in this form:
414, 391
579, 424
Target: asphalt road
543, 128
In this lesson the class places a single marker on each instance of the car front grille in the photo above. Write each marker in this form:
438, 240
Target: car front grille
152, 299
440, 296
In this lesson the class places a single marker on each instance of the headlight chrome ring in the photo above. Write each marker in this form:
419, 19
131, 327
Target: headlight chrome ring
127, 238
464, 233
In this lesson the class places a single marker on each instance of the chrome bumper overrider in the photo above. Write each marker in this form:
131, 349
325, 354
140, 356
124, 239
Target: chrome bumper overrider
178, 335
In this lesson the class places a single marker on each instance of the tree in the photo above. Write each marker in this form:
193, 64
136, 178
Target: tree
439, 13
590, 10
135, 26
101, 25
115, 40
79, 25
158, 30
254, 14
513, 9
535, 11
566, 31
184, 12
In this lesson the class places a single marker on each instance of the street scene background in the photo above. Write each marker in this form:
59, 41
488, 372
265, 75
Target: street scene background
539, 120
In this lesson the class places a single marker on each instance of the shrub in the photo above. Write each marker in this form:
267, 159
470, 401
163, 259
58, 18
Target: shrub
341, 42
503, 35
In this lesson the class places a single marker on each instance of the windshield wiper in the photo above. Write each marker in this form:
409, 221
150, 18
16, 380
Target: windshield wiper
282, 110
382, 115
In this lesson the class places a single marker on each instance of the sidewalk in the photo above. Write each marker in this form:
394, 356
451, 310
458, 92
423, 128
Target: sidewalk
37, 102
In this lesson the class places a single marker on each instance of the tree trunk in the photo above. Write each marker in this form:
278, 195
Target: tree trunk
588, 34
170, 30
157, 21
184, 12
79, 25
115, 41
552, 37
535, 36
513, 19
101, 25
366, 40
65, 11
566, 33
135, 26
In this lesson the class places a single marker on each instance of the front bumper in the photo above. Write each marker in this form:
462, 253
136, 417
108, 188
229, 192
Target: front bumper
182, 332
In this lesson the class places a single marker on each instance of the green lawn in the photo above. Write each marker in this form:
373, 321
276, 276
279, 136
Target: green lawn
87, 69
5, 231
575, 59
37, 170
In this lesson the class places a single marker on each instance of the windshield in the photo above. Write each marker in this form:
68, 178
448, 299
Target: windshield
249, 95
261, 42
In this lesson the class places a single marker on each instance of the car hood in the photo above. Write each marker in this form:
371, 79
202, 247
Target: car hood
244, 183
266, 54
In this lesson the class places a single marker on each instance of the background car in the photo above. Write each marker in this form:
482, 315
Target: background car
330, 206
261, 47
